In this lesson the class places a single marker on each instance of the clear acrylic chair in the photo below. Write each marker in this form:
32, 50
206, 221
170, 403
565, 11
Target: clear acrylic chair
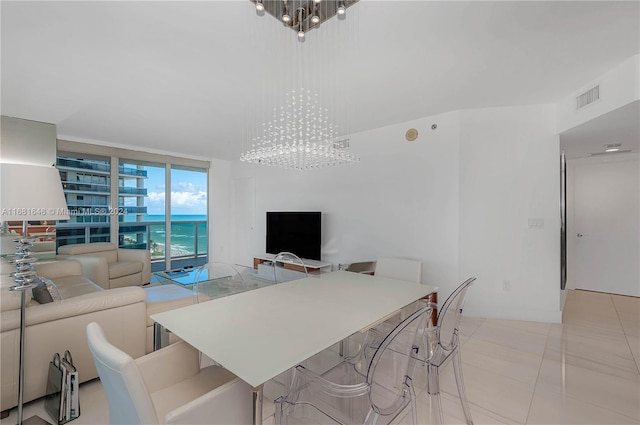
441, 344
372, 388
216, 279
283, 265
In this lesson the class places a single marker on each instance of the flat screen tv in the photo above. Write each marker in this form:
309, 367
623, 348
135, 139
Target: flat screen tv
299, 232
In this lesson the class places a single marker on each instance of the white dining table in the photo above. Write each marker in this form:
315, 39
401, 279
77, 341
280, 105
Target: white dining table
259, 334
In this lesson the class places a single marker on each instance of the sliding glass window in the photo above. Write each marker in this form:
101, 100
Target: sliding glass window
188, 216
113, 198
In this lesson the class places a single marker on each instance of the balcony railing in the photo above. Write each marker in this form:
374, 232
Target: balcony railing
132, 191
86, 187
102, 168
188, 240
127, 171
75, 233
83, 165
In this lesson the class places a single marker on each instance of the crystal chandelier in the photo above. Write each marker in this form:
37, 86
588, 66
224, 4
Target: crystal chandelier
299, 137
303, 15
300, 133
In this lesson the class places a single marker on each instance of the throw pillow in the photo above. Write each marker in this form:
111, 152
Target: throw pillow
52, 288
41, 294
45, 291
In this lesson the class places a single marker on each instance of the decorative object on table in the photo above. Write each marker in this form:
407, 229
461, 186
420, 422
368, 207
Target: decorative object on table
304, 118
62, 401
176, 273
28, 193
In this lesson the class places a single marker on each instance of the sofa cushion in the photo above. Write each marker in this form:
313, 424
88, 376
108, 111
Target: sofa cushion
73, 286
74, 306
60, 268
124, 268
106, 250
10, 300
86, 248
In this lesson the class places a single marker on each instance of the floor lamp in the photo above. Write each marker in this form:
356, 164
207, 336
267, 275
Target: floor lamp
28, 193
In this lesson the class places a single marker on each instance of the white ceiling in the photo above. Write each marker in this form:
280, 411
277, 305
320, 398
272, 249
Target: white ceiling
174, 76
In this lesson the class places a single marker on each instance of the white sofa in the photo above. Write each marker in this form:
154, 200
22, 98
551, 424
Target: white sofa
109, 266
57, 326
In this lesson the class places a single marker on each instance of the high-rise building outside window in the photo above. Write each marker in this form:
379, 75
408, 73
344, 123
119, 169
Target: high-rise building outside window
86, 183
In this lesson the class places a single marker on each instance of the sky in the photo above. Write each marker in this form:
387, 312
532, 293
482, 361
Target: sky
188, 192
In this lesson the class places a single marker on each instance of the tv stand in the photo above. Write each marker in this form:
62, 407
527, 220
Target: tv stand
311, 265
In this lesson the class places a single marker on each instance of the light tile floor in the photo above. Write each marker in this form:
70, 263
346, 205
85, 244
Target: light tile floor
584, 371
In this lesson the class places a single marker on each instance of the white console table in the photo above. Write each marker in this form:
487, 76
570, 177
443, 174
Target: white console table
311, 265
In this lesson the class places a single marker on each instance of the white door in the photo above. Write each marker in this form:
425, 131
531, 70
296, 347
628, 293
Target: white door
607, 230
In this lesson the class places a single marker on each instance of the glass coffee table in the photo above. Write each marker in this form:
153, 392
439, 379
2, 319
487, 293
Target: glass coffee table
214, 280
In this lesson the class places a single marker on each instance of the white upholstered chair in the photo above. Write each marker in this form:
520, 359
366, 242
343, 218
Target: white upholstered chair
167, 386
399, 268
109, 266
362, 267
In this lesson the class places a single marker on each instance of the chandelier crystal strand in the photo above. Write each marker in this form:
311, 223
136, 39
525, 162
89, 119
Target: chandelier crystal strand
302, 132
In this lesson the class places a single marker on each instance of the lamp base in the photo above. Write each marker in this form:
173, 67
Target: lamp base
35, 420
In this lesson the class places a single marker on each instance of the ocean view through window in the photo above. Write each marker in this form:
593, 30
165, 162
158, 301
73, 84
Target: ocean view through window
189, 239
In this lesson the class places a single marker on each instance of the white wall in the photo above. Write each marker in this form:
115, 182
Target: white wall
219, 227
459, 198
509, 212
27, 142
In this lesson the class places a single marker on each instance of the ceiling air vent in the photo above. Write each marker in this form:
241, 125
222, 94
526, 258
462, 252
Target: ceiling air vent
588, 97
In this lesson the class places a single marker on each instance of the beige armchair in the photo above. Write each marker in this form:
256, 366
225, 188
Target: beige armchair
109, 266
